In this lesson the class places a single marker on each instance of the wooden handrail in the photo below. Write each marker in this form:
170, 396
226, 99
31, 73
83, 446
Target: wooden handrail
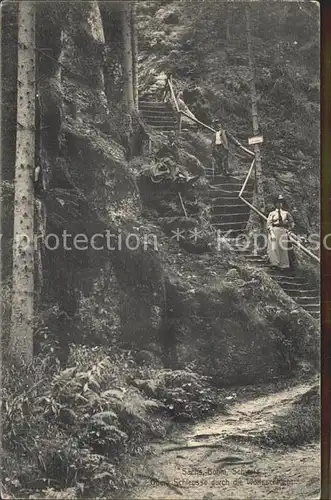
172, 93
247, 178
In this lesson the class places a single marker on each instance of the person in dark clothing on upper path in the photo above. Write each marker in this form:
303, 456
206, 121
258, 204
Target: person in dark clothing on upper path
170, 149
220, 151
169, 156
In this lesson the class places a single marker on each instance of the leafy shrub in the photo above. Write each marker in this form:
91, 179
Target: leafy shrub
69, 430
185, 395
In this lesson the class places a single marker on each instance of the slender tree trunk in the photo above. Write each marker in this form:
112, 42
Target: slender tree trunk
127, 57
21, 339
259, 197
135, 54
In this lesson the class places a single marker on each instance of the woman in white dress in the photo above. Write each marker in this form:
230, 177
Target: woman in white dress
279, 223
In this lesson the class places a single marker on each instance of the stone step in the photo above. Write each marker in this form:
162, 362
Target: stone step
227, 190
234, 215
286, 284
161, 123
225, 226
241, 251
256, 256
228, 179
221, 191
165, 128
216, 219
150, 112
285, 274
315, 308
148, 119
152, 96
226, 197
234, 232
229, 201
155, 110
153, 105
159, 118
308, 300
230, 186
227, 209
260, 263
303, 293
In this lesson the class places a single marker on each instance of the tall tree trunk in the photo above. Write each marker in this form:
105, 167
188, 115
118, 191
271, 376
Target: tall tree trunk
134, 34
21, 339
127, 56
259, 197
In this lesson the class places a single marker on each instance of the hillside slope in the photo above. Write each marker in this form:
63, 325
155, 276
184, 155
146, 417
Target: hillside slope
207, 56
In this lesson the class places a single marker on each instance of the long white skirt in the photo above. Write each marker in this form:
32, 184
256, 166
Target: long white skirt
278, 249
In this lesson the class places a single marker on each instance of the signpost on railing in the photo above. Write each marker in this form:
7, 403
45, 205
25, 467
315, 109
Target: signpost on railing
258, 139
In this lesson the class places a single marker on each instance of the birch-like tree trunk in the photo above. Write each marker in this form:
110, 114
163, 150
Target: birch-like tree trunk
259, 196
134, 35
127, 56
21, 338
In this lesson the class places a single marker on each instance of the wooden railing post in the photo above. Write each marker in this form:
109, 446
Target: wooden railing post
179, 122
255, 177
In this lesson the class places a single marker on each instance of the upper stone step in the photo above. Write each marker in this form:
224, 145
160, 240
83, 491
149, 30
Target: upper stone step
154, 104
313, 292
171, 123
229, 200
227, 185
314, 299
157, 113
231, 208
228, 179
227, 195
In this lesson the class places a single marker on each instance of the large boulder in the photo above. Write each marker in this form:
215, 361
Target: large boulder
226, 327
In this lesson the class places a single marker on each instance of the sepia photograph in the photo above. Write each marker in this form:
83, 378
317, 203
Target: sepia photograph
160, 250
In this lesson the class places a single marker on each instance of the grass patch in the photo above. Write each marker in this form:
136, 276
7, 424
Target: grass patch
299, 426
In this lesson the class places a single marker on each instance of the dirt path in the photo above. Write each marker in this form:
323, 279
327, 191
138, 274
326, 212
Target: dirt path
228, 465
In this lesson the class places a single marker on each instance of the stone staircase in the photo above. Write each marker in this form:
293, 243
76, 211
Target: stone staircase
158, 115
230, 215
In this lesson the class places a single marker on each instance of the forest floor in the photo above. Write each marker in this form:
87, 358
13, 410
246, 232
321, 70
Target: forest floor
221, 458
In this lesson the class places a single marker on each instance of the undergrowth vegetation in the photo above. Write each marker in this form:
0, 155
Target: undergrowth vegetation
73, 429
300, 425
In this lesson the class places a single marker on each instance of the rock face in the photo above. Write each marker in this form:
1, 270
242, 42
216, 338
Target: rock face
226, 329
98, 180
